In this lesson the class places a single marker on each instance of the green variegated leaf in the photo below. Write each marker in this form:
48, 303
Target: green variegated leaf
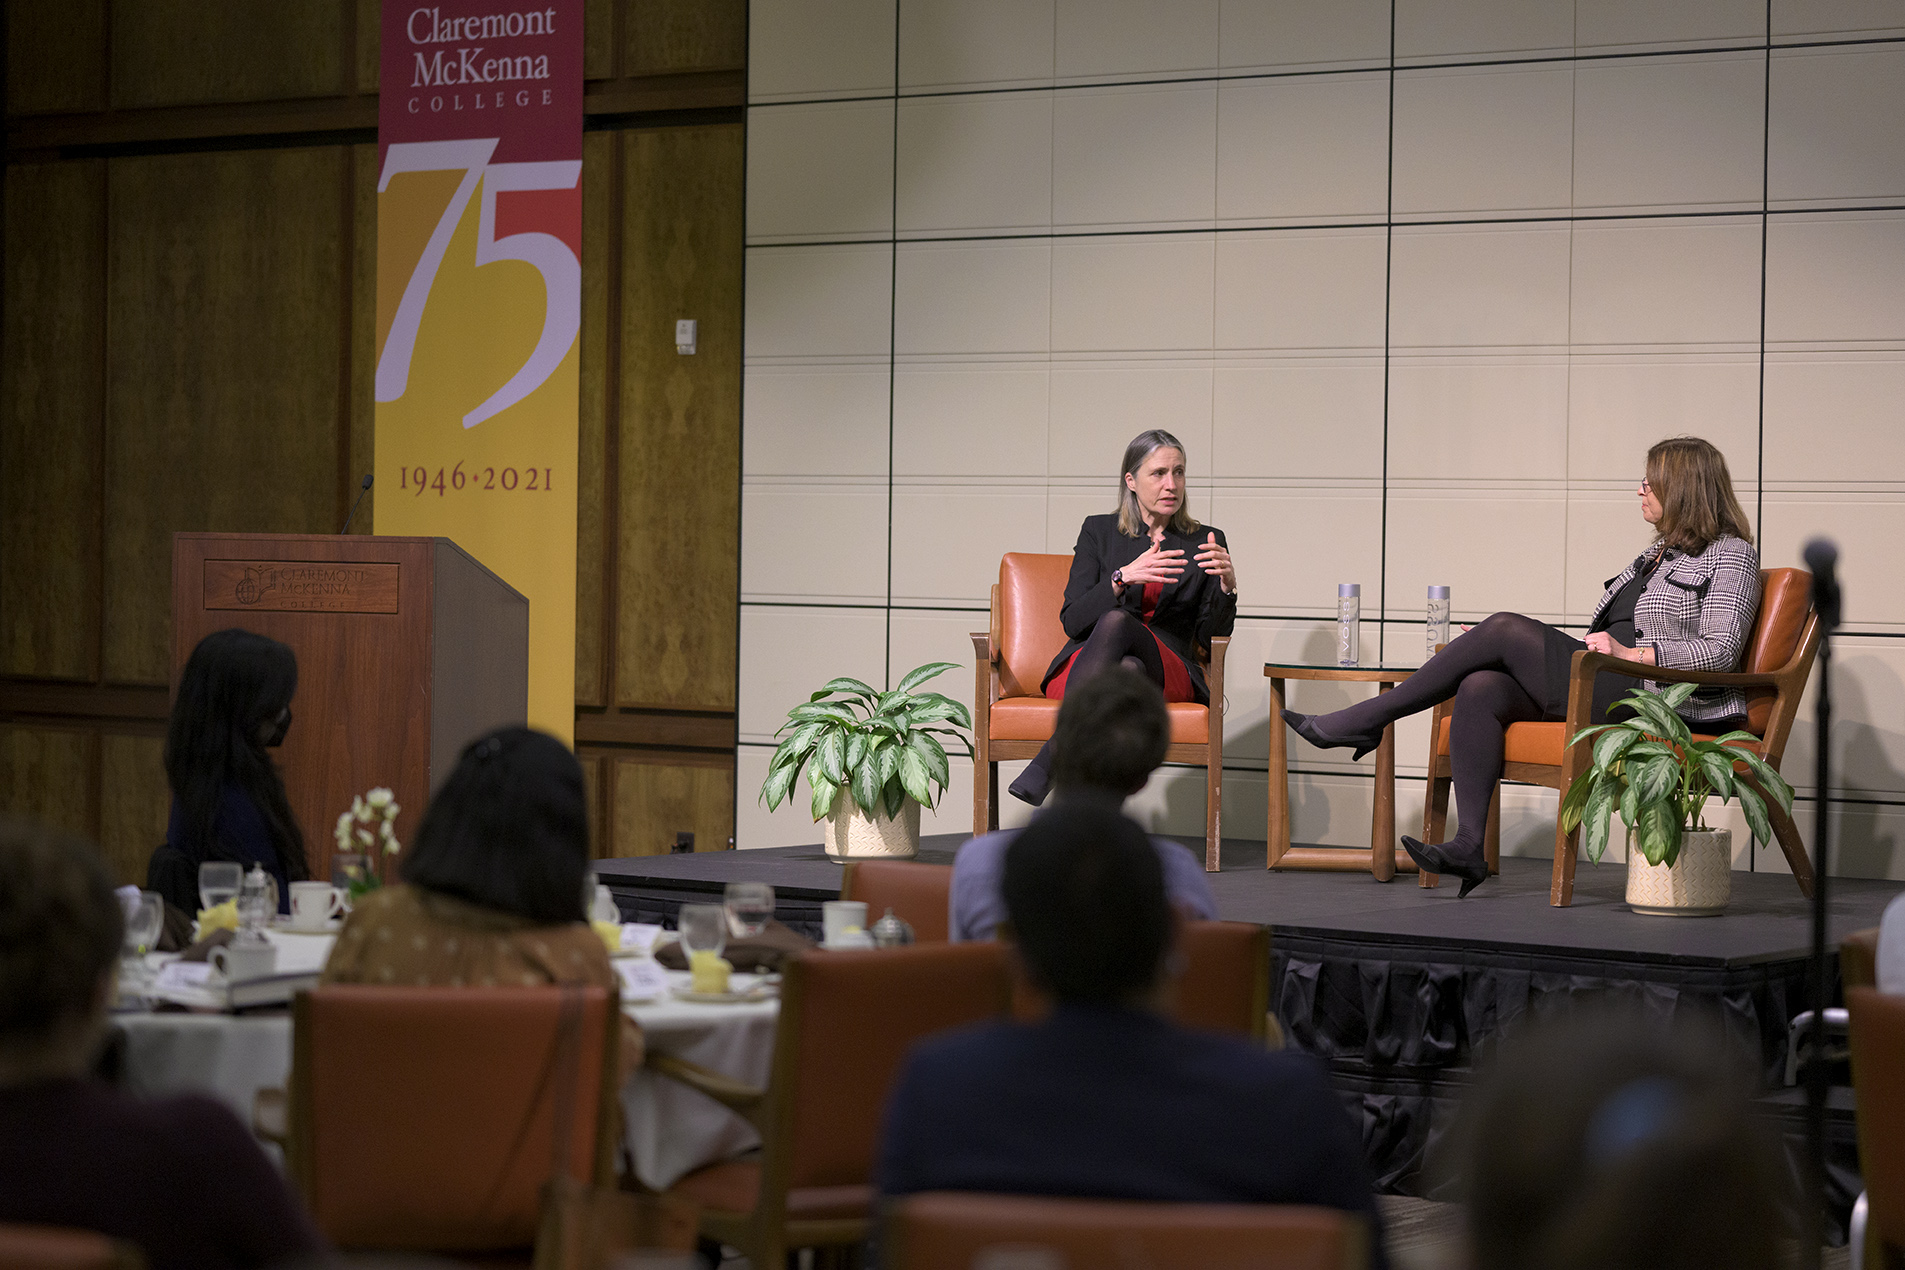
893, 794
955, 710
1659, 834
1651, 749
1661, 721
1577, 797
831, 756
857, 749
888, 700
914, 777
852, 686
888, 760
828, 712
1600, 807
914, 678
1755, 809
1613, 743
1718, 770
1655, 780
933, 755
1675, 695
866, 785
1770, 783
779, 783
824, 790
1630, 806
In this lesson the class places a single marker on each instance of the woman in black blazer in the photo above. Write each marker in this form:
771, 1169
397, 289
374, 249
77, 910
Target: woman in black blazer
1688, 601
1131, 598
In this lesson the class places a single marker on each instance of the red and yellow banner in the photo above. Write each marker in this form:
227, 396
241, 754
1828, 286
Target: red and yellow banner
479, 302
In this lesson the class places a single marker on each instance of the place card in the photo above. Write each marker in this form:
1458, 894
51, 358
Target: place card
183, 976
639, 937
643, 979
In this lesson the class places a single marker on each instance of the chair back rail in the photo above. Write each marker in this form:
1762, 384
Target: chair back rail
24, 1247
954, 1231
918, 893
427, 1118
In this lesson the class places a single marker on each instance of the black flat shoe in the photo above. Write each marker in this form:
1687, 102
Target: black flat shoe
1304, 725
1430, 858
1031, 786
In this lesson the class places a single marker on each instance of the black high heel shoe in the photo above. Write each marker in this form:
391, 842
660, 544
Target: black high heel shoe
1431, 858
1305, 726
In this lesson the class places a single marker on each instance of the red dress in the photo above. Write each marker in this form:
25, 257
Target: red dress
1177, 678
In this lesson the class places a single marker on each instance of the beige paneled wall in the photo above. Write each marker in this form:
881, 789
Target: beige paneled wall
1416, 281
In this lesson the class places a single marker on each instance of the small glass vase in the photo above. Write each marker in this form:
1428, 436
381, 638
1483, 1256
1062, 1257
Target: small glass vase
352, 873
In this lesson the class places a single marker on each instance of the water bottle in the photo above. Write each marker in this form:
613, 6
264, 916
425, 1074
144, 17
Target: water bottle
256, 904
1438, 619
1349, 616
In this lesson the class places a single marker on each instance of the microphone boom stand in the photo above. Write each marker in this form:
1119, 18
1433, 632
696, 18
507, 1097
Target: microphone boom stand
1822, 558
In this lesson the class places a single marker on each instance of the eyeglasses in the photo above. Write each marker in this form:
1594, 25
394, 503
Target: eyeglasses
1646, 486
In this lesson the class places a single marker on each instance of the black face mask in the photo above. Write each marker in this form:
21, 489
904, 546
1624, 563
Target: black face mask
272, 734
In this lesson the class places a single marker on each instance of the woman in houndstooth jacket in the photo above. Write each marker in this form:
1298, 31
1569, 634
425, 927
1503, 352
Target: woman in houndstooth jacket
1688, 602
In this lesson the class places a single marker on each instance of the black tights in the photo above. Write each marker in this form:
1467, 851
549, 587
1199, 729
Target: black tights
1116, 639
1497, 674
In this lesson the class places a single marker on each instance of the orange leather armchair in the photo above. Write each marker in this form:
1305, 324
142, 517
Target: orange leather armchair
1011, 718
428, 1119
1778, 662
943, 1230
1878, 1081
919, 894
57, 1248
846, 1022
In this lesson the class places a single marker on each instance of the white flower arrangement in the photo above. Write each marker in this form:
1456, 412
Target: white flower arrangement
369, 824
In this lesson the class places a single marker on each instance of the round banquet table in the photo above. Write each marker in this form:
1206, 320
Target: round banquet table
668, 1128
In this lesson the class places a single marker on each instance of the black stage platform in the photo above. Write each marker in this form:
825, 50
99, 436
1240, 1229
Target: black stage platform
1398, 988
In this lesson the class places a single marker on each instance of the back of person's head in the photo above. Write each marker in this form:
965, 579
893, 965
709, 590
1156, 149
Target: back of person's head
60, 931
1085, 895
509, 829
1601, 1140
234, 703
1113, 730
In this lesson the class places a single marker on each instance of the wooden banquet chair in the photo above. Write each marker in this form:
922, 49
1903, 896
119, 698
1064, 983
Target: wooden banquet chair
945, 1230
60, 1248
429, 1119
1223, 984
847, 1019
1778, 662
919, 894
1878, 1082
1012, 719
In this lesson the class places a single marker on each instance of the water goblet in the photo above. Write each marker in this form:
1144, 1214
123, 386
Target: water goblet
750, 906
703, 928
218, 881
145, 917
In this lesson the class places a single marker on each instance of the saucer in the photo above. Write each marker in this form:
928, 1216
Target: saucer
284, 924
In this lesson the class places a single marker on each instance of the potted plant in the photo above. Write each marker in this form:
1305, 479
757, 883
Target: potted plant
1660, 778
871, 759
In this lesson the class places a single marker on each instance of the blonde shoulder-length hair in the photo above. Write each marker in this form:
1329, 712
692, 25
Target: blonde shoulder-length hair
1697, 503
1131, 521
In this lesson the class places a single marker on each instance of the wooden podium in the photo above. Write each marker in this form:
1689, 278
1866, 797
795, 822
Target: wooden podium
408, 649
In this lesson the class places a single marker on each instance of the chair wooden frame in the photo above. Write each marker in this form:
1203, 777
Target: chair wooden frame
988, 753
766, 1234
1787, 683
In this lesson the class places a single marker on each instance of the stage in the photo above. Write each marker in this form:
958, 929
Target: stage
1399, 988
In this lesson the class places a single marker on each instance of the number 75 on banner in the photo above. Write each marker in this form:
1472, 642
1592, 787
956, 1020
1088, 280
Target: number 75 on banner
550, 256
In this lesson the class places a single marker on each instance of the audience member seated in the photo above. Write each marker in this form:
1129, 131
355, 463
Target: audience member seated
1112, 733
228, 800
180, 1178
1600, 1139
1105, 1098
494, 885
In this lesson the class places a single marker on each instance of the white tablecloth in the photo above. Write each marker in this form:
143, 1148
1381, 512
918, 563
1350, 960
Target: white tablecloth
669, 1129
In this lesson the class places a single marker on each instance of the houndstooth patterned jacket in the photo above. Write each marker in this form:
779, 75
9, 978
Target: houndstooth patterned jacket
1697, 614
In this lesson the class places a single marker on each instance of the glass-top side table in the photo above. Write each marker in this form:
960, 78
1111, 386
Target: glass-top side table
1386, 857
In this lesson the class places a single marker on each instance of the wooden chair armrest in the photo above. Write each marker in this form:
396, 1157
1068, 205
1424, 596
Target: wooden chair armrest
1214, 676
270, 1115
725, 1090
1589, 664
984, 651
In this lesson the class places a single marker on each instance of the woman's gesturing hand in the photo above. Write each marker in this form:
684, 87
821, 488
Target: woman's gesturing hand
1214, 559
1155, 565
1602, 642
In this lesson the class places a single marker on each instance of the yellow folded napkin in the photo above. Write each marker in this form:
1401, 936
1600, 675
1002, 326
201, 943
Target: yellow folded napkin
218, 917
710, 972
610, 933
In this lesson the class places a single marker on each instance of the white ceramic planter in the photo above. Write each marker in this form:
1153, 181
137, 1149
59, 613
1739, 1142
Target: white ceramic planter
853, 835
1697, 884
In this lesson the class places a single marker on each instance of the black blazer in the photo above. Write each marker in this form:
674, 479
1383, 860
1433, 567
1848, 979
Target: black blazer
1191, 610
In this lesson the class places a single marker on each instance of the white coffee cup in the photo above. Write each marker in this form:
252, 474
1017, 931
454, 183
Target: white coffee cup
244, 961
837, 917
314, 904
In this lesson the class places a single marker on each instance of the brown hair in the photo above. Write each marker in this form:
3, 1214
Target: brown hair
1130, 515
1697, 506
60, 930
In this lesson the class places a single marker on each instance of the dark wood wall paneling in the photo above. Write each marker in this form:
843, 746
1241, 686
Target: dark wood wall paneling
185, 343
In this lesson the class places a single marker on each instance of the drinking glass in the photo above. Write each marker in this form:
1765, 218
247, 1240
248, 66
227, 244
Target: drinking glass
704, 928
257, 902
218, 881
145, 916
749, 906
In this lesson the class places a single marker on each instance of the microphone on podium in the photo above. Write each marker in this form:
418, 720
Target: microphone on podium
1822, 557
362, 490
